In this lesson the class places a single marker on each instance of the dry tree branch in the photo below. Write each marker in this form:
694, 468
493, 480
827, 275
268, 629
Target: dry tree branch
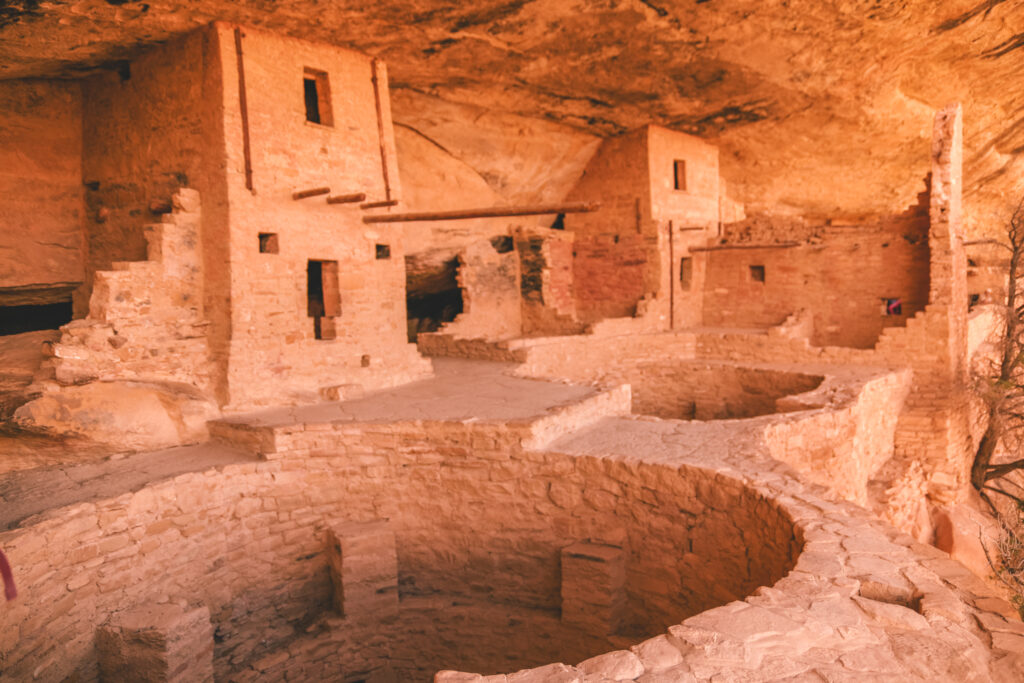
1017, 499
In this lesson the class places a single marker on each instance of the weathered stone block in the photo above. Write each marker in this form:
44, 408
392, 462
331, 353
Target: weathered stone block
156, 642
364, 569
593, 587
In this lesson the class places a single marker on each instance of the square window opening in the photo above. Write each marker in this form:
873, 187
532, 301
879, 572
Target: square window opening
893, 306
679, 175
686, 273
268, 243
323, 297
383, 251
757, 273
317, 95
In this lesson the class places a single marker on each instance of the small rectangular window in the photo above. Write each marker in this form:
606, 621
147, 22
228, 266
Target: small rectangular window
317, 94
686, 273
268, 243
383, 251
893, 306
679, 174
757, 273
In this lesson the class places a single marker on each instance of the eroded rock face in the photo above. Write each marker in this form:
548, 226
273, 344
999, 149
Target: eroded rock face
130, 415
816, 107
20, 358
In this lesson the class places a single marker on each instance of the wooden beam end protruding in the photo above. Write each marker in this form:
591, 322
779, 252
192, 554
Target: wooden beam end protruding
316, 191
346, 198
379, 205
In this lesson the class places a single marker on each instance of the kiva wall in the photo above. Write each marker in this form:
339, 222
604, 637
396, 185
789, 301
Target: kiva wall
482, 524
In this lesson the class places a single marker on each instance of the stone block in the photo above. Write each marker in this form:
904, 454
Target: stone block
342, 392
156, 642
364, 569
593, 587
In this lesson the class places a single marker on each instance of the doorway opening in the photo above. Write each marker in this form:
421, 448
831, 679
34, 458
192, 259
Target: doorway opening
323, 297
432, 299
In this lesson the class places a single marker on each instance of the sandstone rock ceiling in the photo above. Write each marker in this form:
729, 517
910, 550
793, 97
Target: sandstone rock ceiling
819, 106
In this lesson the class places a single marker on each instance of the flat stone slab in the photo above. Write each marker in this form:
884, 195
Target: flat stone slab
29, 492
460, 390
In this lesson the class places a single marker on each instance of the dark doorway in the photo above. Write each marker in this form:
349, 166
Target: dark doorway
323, 297
432, 299
312, 100
18, 319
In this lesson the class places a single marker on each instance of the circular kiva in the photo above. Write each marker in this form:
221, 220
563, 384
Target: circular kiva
390, 551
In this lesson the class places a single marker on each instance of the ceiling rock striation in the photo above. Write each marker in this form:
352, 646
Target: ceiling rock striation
819, 109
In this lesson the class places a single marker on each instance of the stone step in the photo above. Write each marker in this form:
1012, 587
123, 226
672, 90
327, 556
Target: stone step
143, 267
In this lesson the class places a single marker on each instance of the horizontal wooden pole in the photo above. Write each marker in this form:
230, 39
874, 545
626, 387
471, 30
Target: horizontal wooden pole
346, 198
491, 212
723, 247
311, 193
379, 205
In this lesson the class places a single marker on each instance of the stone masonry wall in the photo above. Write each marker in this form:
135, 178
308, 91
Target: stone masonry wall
839, 435
683, 218
475, 517
273, 355
708, 390
136, 372
150, 129
863, 602
547, 282
145, 318
609, 273
844, 280
490, 293
630, 249
618, 235
41, 259
247, 543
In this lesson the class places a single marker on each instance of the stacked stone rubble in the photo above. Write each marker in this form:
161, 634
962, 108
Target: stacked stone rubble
145, 319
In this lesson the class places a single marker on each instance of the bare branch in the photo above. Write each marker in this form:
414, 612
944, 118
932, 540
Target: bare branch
1018, 500
996, 471
972, 243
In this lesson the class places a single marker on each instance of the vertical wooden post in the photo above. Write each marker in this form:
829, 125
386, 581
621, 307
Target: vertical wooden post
671, 279
375, 67
243, 105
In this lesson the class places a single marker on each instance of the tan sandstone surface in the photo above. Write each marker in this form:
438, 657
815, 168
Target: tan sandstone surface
525, 341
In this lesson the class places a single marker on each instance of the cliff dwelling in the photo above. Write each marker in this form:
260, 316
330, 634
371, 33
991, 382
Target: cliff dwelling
520, 342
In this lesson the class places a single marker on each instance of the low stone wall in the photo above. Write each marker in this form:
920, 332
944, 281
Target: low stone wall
693, 390
864, 602
847, 438
586, 357
489, 281
136, 373
482, 514
477, 520
841, 422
